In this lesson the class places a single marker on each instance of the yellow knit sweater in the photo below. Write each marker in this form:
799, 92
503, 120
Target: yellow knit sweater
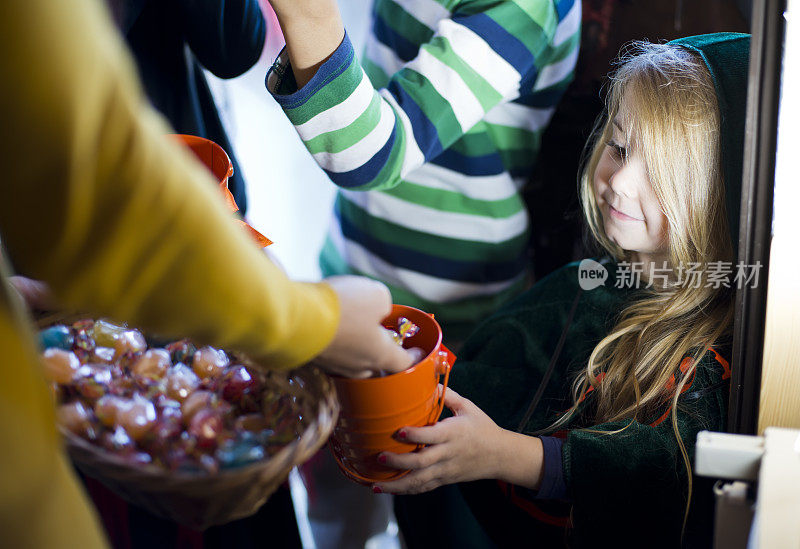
121, 222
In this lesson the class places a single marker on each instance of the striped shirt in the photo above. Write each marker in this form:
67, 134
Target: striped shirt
430, 139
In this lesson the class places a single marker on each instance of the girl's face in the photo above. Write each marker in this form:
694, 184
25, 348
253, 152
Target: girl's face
632, 215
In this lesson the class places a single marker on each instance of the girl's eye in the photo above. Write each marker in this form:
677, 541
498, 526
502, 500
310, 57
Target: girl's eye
618, 150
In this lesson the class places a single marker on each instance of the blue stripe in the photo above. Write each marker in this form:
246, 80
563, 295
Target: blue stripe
563, 8
404, 49
489, 164
548, 97
367, 172
504, 43
425, 133
339, 61
528, 82
439, 267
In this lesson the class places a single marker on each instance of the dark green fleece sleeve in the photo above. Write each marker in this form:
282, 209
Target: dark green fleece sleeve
632, 485
502, 363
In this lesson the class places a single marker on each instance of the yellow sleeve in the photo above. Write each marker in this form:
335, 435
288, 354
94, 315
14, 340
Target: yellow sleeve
114, 216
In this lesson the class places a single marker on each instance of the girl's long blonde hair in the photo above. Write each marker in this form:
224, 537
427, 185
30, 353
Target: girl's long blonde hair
673, 121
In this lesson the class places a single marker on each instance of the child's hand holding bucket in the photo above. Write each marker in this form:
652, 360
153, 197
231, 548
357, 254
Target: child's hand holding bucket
467, 446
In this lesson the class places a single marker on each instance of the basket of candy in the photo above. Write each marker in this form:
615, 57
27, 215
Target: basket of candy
195, 435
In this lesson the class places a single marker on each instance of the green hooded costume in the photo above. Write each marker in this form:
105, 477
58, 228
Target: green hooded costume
625, 489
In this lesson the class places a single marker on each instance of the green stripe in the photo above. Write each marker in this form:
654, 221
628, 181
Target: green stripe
565, 48
487, 96
436, 108
475, 143
535, 35
507, 137
434, 245
377, 76
403, 23
455, 202
517, 159
329, 95
519, 22
389, 176
542, 13
344, 138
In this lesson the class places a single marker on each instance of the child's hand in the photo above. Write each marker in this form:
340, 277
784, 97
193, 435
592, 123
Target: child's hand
467, 446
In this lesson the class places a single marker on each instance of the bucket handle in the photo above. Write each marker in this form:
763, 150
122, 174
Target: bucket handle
444, 363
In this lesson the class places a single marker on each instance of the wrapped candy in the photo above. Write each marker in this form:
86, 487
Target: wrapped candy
60, 366
177, 406
59, 337
137, 417
106, 334
152, 365
130, 341
181, 382
405, 330
208, 362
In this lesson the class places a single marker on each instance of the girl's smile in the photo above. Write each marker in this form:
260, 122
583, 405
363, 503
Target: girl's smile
616, 214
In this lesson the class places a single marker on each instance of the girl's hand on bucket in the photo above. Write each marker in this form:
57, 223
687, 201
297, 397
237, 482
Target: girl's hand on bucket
361, 346
462, 448
468, 446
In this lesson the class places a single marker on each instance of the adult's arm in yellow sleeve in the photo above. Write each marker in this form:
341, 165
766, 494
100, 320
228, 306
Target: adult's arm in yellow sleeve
117, 218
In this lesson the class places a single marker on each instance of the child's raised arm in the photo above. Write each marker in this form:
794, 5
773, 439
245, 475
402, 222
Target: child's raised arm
470, 61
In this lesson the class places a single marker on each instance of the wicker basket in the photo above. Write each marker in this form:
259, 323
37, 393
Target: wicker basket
203, 500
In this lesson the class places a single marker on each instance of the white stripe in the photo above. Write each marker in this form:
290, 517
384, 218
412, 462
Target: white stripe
447, 82
361, 152
519, 116
478, 187
479, 55
437, 222
413, 155
383, 56
427, 12
556, 72
569, 25
430, 288
340, 115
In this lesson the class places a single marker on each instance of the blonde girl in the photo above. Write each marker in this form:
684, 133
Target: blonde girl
584, 396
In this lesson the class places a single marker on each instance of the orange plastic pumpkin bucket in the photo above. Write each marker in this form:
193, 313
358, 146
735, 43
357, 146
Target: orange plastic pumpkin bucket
215, 158
219, 163
372, 410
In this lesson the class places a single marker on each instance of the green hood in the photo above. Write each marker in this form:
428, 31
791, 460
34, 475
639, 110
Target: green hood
727, 55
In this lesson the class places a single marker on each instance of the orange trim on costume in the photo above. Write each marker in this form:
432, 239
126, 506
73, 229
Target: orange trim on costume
726, 374
684, 366
598, 379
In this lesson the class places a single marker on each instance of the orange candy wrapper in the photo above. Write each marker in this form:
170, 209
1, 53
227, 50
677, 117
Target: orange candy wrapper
217, 161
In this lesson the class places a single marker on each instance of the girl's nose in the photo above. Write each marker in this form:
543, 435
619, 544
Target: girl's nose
622, 182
